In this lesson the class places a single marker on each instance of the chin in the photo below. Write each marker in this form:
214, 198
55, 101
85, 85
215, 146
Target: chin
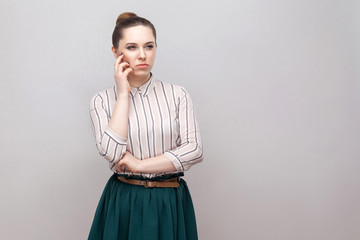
140, 73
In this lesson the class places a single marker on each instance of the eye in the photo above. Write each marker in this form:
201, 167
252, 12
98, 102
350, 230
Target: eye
131, 47
151, 46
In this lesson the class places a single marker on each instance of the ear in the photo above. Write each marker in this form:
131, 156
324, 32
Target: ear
114, 52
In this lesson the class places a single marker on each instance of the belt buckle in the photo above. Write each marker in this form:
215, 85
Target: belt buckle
150, 184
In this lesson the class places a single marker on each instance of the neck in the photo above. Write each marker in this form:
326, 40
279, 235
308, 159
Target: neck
138, 81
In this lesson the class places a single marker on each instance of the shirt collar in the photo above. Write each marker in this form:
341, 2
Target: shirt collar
143, 89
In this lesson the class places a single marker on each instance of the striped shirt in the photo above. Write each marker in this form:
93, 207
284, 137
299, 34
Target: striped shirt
161, 121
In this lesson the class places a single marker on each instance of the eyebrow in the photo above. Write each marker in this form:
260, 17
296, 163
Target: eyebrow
136, 43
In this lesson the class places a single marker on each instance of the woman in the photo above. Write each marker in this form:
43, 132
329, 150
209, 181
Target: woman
148, 132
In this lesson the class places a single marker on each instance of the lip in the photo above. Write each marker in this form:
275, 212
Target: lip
143, 65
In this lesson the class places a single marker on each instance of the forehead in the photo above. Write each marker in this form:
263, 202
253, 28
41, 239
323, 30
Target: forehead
137, 34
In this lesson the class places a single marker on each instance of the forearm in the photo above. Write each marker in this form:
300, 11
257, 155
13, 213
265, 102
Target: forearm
120, 117
156, 165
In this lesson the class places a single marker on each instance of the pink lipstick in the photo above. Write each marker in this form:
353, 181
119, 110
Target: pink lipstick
142, 66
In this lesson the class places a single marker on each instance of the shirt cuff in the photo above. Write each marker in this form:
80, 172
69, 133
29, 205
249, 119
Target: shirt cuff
114, 136
175, 160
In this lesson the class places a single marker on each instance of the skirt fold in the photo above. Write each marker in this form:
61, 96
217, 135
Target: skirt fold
130, 212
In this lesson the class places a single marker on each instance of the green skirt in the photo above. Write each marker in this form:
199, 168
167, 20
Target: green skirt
131, 212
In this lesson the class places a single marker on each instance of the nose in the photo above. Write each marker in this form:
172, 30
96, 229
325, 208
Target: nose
142, 53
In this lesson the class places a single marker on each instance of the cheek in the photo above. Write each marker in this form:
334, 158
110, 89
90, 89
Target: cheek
129, 57
152, 57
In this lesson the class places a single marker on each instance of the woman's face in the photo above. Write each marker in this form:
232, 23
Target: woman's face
139, 49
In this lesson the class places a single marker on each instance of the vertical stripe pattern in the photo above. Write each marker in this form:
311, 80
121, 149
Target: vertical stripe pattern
161, 121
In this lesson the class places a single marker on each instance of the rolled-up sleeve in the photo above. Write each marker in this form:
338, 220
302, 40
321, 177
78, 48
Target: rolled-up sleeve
109, 144
189, 150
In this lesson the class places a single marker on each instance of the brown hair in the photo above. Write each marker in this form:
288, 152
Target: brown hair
126, 20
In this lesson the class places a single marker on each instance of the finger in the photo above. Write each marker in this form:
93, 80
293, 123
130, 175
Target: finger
126, 73
118, 167
118, 61
123, 66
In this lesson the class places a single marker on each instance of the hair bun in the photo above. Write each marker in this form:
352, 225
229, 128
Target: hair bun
125, 15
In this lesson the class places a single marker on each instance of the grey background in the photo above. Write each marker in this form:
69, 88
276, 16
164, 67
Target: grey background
276, 86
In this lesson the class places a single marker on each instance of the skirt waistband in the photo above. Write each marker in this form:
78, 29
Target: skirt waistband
157, 178
168, 183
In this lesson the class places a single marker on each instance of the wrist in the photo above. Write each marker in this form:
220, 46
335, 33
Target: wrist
122, 91
122, 94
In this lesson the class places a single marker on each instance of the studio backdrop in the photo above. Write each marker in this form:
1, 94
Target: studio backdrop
276, 89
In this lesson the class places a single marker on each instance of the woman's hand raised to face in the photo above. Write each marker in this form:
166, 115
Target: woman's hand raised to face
121, 72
